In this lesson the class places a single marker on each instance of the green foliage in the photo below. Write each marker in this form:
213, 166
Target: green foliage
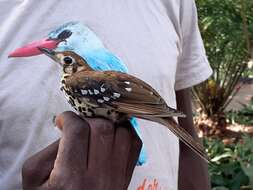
226, 27
231, 166
243, 116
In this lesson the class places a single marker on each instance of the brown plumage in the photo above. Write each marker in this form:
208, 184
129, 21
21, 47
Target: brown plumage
110, 91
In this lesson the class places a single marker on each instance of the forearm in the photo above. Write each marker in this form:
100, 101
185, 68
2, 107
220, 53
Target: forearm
193, 174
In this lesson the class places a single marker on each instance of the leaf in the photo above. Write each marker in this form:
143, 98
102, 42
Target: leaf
233, 166
219, 157
248, 169
220, 188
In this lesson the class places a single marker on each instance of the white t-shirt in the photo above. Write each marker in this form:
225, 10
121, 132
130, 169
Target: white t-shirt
158, 40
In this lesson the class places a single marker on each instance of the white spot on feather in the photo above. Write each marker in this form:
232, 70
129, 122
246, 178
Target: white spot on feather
96, 92
90, 92
128, 89
127, 82
102, 89
106, 98
116, 95
100, 101
84, 92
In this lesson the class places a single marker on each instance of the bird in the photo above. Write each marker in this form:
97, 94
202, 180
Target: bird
115, 95
79, 38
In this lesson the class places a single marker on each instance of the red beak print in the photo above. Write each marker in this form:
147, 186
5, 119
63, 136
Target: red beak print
32, 48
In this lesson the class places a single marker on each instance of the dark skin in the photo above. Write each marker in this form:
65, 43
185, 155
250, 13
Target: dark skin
108, 166
188, 160
92, 154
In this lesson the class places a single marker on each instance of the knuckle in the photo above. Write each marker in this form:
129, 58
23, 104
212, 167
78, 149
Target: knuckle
68, 114
65, 116
78, 129
101, 122
101, 126
75, 126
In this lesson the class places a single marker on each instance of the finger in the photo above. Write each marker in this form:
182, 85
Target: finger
73, 147
130, 146
37, 168
101, 144
121, 149
136, 145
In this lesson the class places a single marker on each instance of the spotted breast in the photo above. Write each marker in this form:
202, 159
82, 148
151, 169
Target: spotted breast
89, 104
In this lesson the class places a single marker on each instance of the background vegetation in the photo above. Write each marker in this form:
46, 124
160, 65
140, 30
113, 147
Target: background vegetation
227, 29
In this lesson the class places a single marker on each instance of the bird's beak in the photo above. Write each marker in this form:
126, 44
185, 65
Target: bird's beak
49, 52
33, 48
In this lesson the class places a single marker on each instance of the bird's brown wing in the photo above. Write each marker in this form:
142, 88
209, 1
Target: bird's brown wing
126, 93
132, 96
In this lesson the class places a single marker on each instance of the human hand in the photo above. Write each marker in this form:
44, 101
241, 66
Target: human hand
91, 154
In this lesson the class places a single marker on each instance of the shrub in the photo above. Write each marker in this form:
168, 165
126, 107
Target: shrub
231, 165
226, 27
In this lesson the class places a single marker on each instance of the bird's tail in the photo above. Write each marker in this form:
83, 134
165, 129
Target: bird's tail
182, 134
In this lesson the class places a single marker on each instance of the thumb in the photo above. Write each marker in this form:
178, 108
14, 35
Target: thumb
73, 147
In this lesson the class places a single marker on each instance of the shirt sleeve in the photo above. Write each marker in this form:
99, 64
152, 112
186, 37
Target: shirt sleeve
193, 66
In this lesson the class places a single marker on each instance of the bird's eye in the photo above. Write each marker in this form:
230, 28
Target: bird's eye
68, 60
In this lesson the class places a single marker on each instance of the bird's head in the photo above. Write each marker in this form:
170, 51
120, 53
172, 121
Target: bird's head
72, 36
69, 60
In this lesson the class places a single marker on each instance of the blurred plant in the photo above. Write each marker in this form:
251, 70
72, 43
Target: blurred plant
226, 27
231, 165
243, 116
244, 154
